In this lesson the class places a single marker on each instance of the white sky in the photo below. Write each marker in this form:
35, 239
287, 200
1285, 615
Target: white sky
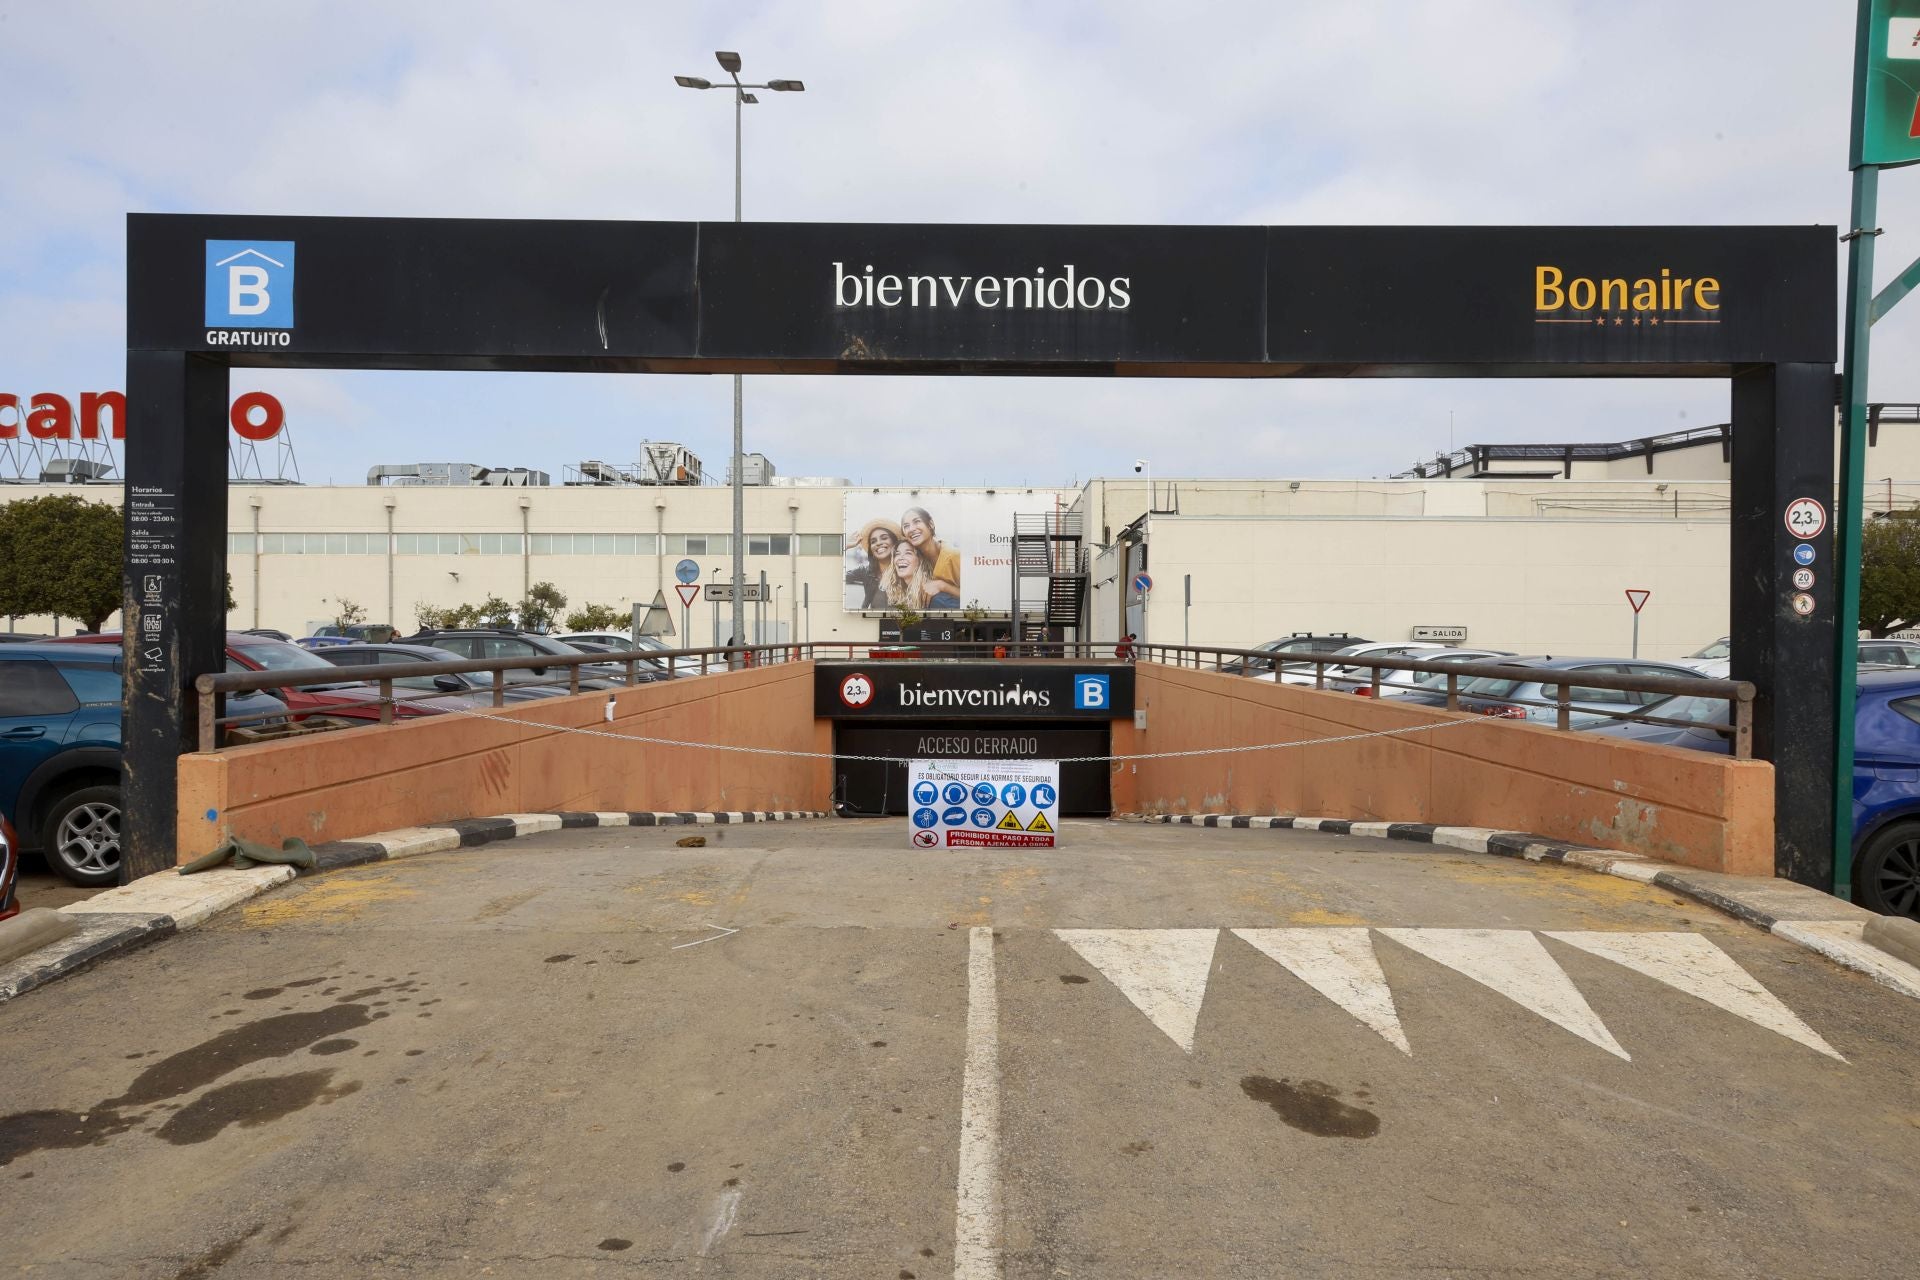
1417, 111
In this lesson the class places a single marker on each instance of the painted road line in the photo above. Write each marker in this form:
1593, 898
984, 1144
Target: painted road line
1340, 965
976, 1227
1514, 963
1690, 963
1163, 971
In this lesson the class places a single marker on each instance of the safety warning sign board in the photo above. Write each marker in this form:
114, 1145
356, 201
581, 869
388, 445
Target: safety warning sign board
972, 804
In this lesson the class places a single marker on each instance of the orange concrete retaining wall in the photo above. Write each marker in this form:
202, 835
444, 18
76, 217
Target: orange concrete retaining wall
336, 786
1706, 811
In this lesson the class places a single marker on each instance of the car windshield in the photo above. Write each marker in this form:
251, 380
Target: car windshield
1718, 649
1490, 687
1690, 708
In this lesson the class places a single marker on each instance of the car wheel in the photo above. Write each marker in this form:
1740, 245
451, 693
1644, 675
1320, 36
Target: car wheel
1886, 875
82, 837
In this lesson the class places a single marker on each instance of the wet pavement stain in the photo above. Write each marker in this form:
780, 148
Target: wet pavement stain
29, 1131
250, 1104
614, 1244
562, 958
207, 1061
1072, 979
1312, 1106
328, 1047
676, 1166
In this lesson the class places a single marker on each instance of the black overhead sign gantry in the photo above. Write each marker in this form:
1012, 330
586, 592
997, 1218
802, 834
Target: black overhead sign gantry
207, 293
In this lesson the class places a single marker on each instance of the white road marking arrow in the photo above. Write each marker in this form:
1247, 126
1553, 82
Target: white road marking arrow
1163, 971
1514, 963
1690, 963
1340, 965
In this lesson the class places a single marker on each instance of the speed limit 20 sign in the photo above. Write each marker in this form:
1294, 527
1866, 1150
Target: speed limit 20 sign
1806, 518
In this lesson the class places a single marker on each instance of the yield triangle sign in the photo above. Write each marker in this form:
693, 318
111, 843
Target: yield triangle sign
1637, 598
1162, 971
657, 621
688, 591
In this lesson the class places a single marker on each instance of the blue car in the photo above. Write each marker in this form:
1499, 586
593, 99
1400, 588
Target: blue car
60, 753
1886, 778
1886, 793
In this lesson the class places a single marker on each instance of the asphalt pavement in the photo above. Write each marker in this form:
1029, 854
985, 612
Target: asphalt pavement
808, 1050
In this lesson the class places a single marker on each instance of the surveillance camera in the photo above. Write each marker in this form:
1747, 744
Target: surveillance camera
1138, 467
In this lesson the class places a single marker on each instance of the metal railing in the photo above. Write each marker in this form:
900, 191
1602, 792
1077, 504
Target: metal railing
1738, 694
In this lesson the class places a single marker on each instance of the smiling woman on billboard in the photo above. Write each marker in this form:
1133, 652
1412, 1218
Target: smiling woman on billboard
940, 562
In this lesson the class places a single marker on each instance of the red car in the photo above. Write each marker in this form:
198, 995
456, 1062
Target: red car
346, 699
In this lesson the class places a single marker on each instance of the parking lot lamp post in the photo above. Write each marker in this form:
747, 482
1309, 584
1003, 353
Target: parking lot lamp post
730, 63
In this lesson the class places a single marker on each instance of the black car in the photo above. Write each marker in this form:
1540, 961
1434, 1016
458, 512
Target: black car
481, 642
477, 683
1299, 644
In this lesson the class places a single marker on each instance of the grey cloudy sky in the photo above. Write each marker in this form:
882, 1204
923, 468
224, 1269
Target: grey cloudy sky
1280, 111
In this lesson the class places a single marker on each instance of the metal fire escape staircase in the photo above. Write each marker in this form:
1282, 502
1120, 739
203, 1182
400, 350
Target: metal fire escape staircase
1050, 545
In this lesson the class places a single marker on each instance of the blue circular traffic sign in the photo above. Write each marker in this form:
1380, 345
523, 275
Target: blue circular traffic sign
1803, 554
955, 793
1143, 582
925, 817
686, 571
1044, 795
955, 817
983, 793
983, 818
1013, 795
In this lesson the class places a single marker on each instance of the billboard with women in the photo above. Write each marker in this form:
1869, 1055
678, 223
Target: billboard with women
933, 551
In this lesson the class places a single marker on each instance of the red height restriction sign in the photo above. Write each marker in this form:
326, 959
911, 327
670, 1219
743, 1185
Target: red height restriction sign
1637, 598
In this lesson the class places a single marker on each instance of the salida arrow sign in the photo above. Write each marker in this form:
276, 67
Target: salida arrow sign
1637, 598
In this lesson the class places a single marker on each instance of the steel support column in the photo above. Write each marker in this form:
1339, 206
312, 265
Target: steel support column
174, 598
1783, 450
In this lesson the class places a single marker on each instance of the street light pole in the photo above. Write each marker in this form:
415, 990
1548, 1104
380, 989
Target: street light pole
730, 63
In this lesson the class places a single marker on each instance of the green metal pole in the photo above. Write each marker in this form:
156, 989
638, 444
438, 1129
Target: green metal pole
1846, 544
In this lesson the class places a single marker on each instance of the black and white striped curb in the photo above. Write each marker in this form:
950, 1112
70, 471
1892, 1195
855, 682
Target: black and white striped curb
1801, 915
168, 903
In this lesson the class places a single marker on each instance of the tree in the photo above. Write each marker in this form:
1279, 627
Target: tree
1890, 573
348, 612
491, 612
231, 606
599, 617
62, 556
541, 605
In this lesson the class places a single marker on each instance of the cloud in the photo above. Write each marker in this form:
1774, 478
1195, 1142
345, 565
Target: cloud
1421, 111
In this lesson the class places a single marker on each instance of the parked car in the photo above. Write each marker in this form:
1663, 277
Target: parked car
347, 699
502, 643
613, 640
1886, 793
1297, 643
269, 633
1531, 699
9, 870
352, 633
1714, 661
1700, 713
1393, 684
60, 752
1302, 673
471, 688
